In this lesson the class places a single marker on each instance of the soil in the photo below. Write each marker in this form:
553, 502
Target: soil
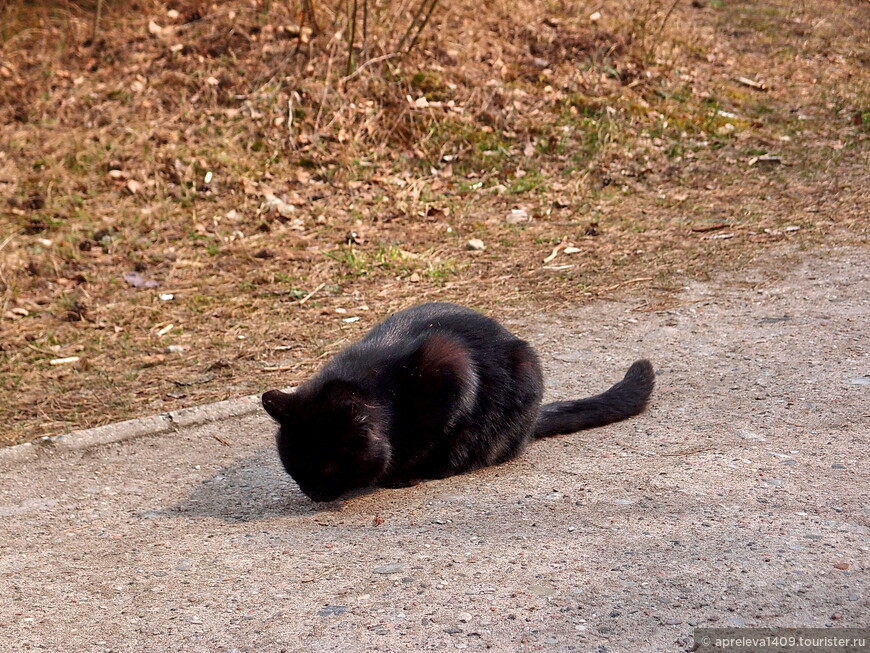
740, 498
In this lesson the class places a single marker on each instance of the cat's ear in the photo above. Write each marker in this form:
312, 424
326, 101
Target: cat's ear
278, 404
445, 371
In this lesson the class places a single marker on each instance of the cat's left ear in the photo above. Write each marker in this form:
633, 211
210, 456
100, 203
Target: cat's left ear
278, 404
445, 372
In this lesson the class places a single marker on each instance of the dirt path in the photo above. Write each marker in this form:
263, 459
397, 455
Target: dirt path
741, 497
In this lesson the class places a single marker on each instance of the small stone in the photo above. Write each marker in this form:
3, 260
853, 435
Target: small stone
775, 482
735, 622
615, 613
517, 216
175, 349
838, 466
673, 622
184, 565
836, 616
464, 617
392, 568
543, 590
196, 620
842, 566
332, 611
693, 622
475, 245
852, 597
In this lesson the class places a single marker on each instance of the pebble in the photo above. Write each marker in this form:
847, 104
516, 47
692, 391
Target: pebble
475, 245
516, 216
184, 565
615, 613
838, 466
673, 622
735, 622
775, 482
392, 568
543, 590
175, 349
332, 611
464, 617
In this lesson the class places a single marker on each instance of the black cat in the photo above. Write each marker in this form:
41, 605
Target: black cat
432, 391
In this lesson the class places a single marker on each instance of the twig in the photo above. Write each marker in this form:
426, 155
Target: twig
558, 248
350, 39
96, 22
325, 88
310, 295
280, 368
308, 8
221, 440
9, 239
368, 63
689, 452
422, 26
413, 22
365, 30
666, 19
625, 283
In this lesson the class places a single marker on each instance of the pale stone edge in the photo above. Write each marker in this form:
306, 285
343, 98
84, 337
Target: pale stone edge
135, 428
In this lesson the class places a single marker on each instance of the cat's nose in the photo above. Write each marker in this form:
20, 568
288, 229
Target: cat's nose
323, 497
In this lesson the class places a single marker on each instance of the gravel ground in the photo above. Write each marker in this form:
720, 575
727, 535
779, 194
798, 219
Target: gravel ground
740, 498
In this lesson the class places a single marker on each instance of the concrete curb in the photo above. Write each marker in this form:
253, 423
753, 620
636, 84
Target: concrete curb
131, 429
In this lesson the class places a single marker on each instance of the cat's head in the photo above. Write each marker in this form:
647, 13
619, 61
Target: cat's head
330, 438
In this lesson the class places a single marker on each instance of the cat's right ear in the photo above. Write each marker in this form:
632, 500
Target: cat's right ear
278, 404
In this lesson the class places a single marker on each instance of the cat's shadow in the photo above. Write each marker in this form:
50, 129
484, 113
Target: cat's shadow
253, 488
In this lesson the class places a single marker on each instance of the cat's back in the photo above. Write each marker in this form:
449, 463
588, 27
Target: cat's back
445, 317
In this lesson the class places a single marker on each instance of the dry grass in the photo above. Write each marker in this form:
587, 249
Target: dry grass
159, 150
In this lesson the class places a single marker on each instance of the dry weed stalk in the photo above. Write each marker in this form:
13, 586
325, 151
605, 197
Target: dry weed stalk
649, 19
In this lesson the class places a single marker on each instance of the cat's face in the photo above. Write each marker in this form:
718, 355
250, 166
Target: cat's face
330, 441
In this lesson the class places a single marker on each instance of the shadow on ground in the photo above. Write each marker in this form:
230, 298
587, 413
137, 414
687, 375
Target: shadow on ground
254, 488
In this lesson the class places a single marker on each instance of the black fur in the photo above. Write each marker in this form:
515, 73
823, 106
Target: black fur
433, 391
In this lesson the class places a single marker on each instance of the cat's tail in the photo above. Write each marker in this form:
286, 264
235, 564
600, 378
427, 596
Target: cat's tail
625, 399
